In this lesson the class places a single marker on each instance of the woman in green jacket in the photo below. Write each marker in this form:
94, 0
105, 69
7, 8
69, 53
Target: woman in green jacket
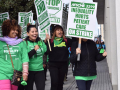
36, 49
10, 43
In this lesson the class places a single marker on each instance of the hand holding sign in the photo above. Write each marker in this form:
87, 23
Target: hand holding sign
78, 51
47, 36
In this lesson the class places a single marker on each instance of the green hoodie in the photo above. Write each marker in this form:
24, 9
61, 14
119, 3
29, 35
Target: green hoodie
19, 56
36, 61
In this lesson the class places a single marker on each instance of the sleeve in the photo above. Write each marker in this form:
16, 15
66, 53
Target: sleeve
69, 42
98, 56
25, 68
44, 59
24, 53
73, 56
31, 53
105, 47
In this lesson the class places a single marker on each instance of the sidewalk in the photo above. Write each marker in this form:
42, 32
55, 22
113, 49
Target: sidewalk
102, 82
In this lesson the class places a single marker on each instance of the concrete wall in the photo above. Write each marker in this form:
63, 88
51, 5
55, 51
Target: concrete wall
102, 31
112, 40
117, 25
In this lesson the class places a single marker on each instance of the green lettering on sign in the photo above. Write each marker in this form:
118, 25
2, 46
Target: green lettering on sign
81, 21
55, 19
43, 16
4, 15
82, 16
84, 11
22, 19
26, 21
44, 24
53, 2
41, 7
54, 8
81, 26
2, 20
83, 33
83, 5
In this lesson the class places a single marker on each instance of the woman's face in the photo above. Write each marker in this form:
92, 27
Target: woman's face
59, 33
13, 33
33, 34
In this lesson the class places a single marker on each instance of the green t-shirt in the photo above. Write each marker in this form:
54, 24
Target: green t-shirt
19, 55
85, 77
36, 61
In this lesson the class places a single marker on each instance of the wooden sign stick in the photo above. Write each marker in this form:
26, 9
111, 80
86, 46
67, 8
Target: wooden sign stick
79, 46
48, 41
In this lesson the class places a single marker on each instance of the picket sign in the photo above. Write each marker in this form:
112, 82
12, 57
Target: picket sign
3, 17
23, 19
81, 20
42, 17
55, 9
48, 41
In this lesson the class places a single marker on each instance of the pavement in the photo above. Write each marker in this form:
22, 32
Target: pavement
103, 81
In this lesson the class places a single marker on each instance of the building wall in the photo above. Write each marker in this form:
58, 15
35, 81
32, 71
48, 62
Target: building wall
112, 40
102, 31
64, 20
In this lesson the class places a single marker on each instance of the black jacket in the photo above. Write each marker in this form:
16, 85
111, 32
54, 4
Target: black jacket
58, 54
89, 54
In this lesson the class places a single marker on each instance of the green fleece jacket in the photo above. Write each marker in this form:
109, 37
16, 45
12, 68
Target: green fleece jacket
36, 57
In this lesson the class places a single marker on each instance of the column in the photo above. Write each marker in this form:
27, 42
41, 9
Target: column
114, 71
117, 13
107, 33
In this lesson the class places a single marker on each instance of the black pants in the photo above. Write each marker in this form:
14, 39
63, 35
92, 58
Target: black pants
45, 72
57, 73
67, 69
34, 76
84, 85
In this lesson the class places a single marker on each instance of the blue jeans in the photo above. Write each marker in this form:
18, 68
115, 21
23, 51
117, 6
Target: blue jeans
84, 85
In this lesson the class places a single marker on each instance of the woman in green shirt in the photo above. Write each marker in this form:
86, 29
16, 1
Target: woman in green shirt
18, 51
36, 49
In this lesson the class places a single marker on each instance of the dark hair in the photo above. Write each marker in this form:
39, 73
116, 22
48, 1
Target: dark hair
102, 42
29, 26
54, 31
97, 42
9, 25
19, 31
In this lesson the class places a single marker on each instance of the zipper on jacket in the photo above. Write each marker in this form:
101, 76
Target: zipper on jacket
88, 59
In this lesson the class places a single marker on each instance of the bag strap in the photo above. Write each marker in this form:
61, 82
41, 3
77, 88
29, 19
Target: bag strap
10, 57
51, 40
